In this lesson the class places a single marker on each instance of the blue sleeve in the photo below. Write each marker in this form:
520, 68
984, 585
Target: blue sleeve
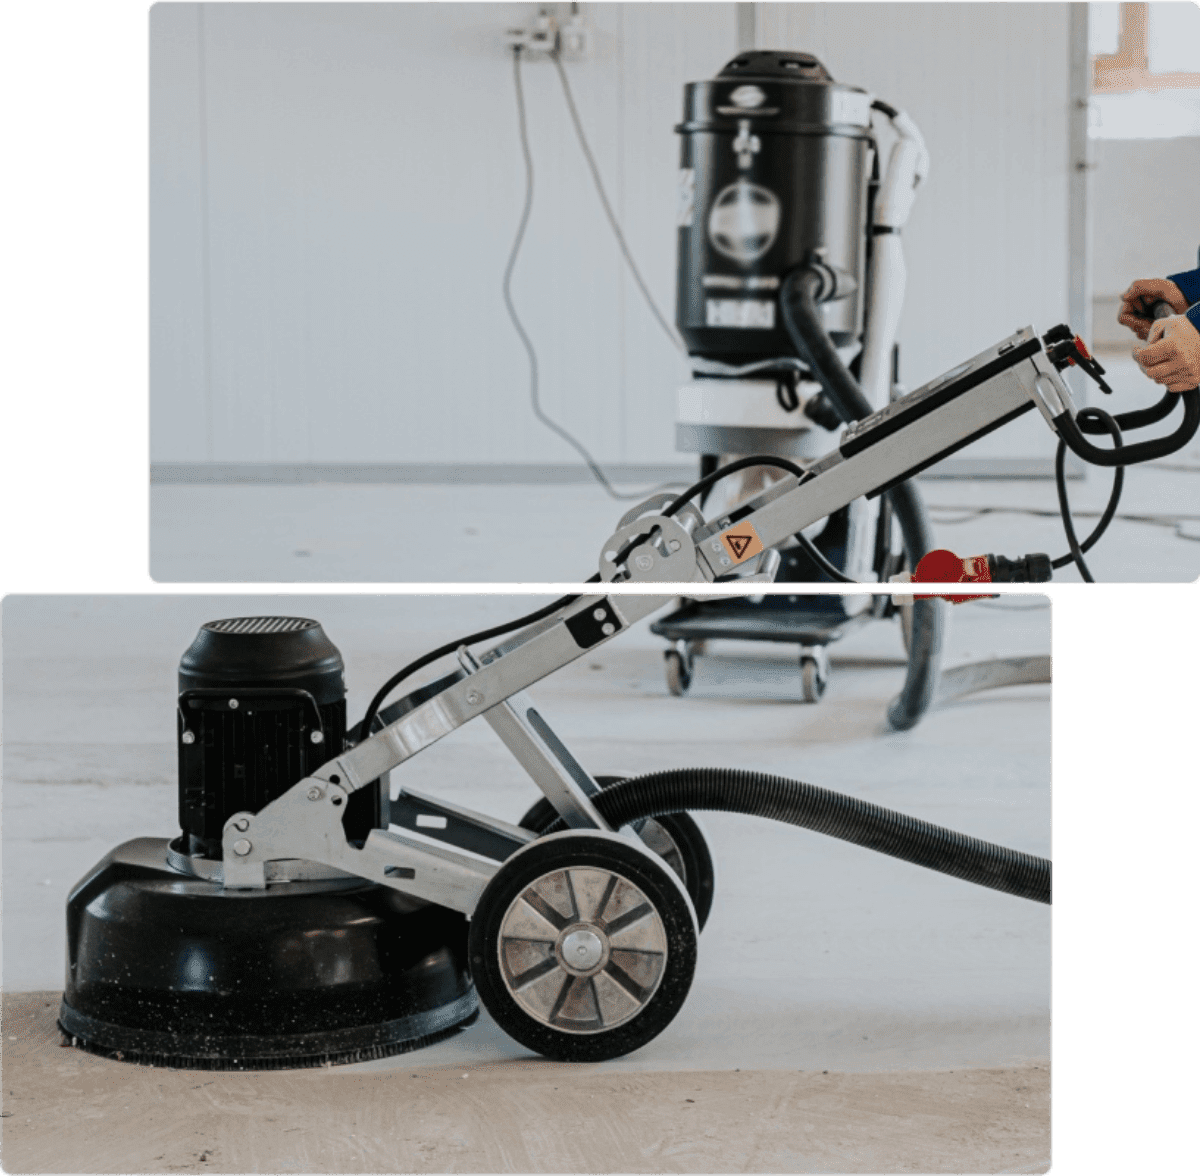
1189, 284
1193, 315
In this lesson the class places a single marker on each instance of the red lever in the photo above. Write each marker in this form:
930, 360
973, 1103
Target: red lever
944, 567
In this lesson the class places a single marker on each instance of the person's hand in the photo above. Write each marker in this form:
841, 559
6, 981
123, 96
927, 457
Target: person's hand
1172, 356
1141, 296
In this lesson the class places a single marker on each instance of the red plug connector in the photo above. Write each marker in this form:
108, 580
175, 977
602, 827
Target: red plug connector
944, 567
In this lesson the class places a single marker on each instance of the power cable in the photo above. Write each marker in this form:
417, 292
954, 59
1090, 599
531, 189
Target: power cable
660, 318
510, 306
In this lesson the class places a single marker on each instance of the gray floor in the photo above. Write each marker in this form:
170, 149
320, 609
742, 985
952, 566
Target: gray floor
539, 534
818, 954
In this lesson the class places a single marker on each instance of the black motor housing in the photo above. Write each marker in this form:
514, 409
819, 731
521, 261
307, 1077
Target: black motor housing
262, 704
775, 167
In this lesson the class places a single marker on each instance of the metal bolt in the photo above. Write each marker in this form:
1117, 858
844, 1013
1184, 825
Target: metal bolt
242, 824
233, 704
188, 737
314, 794
644, 562
608, 630
715, 545
599, 614
318, 737
242, 847
474, 697
725, 561
674, 545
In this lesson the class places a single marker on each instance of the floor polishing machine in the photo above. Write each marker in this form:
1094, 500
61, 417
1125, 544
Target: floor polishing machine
305, 915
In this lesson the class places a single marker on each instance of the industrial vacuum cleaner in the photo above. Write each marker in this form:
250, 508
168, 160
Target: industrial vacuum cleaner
304, 916
794, 190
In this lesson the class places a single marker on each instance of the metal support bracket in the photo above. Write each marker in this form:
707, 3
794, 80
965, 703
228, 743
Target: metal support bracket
306, 822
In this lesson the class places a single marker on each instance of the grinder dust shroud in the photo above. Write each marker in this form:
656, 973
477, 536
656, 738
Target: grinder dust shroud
167, 967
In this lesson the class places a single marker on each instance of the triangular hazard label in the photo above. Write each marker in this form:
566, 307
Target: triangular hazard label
738, 544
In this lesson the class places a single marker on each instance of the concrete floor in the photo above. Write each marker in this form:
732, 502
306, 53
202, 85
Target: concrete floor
818, 956
407, 533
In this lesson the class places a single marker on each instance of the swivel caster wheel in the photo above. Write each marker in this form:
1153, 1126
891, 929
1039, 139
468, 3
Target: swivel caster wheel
814, 672
583, 946
679, 664
676, 837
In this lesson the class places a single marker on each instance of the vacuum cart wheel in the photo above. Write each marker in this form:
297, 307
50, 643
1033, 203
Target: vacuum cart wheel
583, 946
678, 671
677, 838
814, 673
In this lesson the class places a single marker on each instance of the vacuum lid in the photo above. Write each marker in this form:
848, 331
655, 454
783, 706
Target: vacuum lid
769, 63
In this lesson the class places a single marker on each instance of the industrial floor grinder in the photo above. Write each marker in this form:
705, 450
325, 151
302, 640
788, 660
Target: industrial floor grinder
306, 916
303, 916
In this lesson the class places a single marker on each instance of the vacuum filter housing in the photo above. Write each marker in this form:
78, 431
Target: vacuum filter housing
774, 168
166, 966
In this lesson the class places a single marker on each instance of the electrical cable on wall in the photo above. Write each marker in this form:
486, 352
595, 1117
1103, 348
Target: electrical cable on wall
614, 224
514, 254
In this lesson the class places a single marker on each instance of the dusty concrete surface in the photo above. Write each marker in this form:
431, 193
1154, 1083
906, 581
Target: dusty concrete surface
67, 1111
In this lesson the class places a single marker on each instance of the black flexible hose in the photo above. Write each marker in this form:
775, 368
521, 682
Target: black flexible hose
802, 320
832, 813
1095, 420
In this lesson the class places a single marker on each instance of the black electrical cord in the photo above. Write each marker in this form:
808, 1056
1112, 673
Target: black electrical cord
1103, 420
442, 650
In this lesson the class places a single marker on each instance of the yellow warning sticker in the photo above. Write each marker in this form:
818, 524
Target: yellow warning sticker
742, 542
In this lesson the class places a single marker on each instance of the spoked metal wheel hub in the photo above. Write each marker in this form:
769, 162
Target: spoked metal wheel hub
582, 950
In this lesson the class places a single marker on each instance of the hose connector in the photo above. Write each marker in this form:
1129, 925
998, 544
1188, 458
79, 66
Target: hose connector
832, 283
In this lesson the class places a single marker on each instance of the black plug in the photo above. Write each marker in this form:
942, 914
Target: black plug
1031, 569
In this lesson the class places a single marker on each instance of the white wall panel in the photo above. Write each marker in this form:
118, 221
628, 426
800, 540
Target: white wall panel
1147, 220
180, 404
336, 188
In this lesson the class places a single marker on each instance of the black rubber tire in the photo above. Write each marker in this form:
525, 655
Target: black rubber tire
699, 871
573, 849
678, 672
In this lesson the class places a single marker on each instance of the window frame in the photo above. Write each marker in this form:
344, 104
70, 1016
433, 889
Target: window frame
1128, 69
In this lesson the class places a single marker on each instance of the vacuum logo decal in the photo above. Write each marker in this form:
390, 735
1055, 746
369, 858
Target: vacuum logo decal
747, 97
742, 542
744, 221
686, 209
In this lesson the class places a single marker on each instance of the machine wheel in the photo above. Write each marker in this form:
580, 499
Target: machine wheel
679, 672
676, 837
813, 679
583, 946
